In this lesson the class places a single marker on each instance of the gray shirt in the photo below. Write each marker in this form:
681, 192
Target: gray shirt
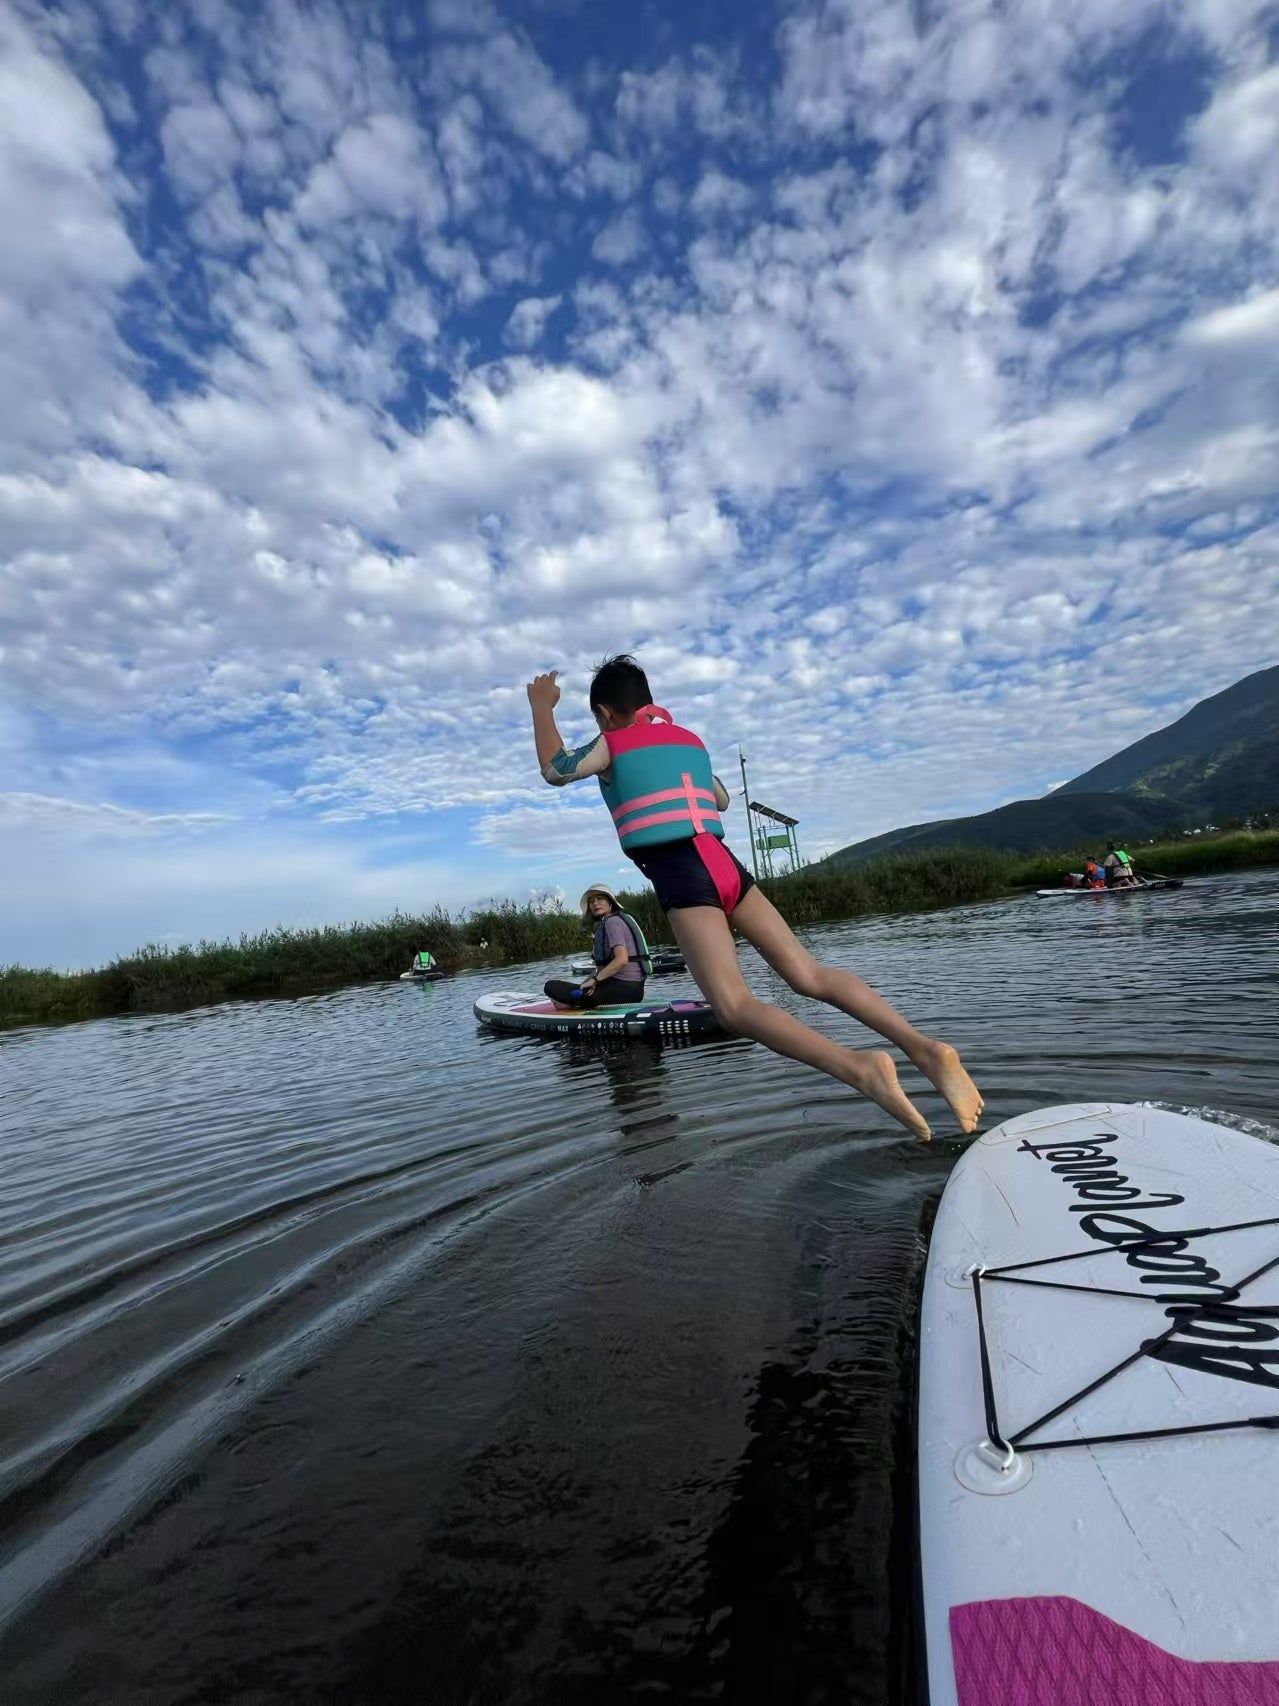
611, 933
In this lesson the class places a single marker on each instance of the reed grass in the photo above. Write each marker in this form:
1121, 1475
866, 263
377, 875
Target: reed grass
907, 882
280, 961
1186, 856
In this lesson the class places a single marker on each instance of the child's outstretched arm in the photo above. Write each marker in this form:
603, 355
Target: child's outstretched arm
544, 696
557, 764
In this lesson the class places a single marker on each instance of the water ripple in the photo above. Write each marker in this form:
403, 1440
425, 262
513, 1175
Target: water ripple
596, 1359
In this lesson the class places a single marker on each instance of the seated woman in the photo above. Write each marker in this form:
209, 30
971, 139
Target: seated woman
618, 954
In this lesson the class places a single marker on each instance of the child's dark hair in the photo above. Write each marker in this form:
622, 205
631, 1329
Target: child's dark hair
621, 684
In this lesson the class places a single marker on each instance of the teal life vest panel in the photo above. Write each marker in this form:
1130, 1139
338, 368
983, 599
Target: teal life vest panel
659, 786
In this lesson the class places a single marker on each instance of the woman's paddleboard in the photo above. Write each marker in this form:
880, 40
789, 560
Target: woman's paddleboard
522, 1012
1099, 1520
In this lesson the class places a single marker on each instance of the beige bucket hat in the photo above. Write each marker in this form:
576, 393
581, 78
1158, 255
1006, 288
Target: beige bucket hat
596, 888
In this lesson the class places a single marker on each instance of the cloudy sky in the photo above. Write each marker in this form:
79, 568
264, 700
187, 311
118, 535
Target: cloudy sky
897, 377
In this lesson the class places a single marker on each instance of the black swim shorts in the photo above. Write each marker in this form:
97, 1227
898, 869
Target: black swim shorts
696, 872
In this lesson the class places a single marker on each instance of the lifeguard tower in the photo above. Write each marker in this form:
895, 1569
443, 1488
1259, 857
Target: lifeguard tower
771, 831
766, 840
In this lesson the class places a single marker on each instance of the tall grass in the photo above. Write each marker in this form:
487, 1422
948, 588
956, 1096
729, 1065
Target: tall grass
907, 882
284, 962
513, 932
1190, 855
48, 997
276, 962
287, 962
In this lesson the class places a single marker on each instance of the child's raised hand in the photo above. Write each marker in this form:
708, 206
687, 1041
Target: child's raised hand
544, 690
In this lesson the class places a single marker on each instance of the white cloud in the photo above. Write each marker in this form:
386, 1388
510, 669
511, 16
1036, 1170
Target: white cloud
66, 259
81, 819
621, 241
383, 165
564, 830
1253, 321
693, 91
201, 147
602, 173
1240, 129
528, 320
718, 194
521, 93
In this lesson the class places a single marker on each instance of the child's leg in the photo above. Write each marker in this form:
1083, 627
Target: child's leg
765, 928
703, 934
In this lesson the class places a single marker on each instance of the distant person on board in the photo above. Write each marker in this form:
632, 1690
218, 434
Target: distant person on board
657, 782
1094, 876
1118, 867
619, 952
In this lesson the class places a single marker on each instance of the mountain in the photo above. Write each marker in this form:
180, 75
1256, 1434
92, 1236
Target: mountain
1029, 826
1220, 760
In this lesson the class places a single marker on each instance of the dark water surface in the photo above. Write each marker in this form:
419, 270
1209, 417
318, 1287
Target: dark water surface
348, 1354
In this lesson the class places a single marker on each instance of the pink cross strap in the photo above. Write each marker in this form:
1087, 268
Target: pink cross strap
660, 799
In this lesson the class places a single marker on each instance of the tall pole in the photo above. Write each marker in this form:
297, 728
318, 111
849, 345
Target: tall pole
750, 822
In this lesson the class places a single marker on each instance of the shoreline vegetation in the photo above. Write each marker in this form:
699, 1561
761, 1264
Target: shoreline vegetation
285, 962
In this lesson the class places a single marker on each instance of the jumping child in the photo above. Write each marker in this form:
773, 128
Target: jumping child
657, 781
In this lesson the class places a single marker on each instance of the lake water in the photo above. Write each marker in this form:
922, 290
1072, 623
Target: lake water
350, 1354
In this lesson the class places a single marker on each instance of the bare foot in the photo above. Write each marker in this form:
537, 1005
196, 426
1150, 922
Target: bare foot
942, 1066
876, 1077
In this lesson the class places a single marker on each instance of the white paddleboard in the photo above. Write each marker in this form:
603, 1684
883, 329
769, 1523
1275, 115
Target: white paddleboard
1127, 888
1142, 1570
664, 960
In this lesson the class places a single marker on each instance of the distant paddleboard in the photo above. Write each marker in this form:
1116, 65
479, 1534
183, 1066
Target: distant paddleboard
664, 960
1132, 888
523, 1012
1099, 1415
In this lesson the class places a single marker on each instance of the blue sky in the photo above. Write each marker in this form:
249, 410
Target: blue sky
897, 380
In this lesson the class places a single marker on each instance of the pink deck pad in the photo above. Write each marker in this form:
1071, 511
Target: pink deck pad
1060, 1652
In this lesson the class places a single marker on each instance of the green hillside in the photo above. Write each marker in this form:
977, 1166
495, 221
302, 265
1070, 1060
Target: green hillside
1220, 761
1027, 826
